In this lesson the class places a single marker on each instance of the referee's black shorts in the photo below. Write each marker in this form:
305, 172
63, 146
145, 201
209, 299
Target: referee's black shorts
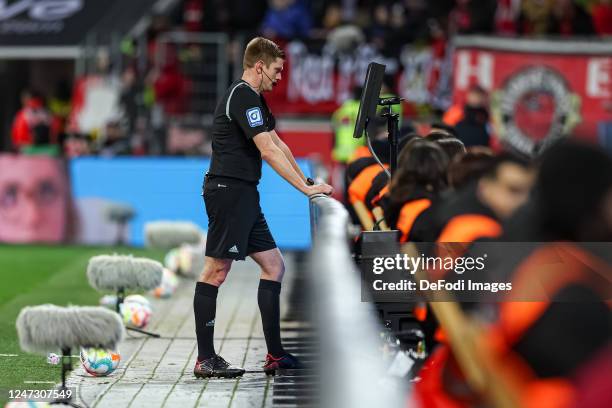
236, 225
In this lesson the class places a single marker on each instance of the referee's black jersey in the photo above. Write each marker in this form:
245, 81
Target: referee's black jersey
241, 114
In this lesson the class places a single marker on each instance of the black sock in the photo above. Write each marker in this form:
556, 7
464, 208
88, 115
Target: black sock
268, 299
204, 309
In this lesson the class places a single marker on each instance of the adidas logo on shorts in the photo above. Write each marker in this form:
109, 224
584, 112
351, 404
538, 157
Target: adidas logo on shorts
233, 250
211, 323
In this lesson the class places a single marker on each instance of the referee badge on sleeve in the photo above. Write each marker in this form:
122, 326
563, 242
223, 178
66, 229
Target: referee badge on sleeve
254, 116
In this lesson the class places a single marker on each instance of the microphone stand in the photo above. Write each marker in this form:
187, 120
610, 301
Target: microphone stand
392, 127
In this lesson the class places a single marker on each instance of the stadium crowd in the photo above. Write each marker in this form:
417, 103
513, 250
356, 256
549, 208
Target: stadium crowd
401, 21
146, 94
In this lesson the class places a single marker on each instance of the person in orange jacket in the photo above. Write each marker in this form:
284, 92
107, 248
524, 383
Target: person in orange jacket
378, 193
552, 349
360, 173
476, 210
488, 190
420, 178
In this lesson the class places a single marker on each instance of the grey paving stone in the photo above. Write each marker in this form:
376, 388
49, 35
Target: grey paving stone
159, 372
150, 395
121, 395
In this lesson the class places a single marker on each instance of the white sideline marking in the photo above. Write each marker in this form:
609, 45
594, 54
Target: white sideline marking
17, 355
39, 382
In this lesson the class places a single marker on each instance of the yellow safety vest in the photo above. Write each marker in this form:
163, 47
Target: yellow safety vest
343, 123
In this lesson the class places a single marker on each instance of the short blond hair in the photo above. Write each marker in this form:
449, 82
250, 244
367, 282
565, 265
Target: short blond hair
260, 48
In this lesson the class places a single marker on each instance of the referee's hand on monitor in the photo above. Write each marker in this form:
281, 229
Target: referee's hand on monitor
320, 189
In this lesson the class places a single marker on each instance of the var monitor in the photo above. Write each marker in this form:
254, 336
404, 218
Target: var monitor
369, 97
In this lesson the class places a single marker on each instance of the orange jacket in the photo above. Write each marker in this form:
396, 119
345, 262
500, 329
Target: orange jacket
359, 153
469, 227
453, 115
533, 279
380, 195
358, 189
408, 215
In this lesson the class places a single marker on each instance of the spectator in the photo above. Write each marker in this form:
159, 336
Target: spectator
287, 20
60, 107
325, 12
602, 17
242, 16
534, 18
171, 88
471, 120
332, 17
115, 141
378, 30
216, 14
193, 13
32, 124
159, 25
76, 145
570, 19
131, 97
506, 17
410, 20
472, 17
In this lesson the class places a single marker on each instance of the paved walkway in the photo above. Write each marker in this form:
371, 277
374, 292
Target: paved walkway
158, 372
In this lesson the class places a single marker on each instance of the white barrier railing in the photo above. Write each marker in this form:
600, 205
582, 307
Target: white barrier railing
352, 372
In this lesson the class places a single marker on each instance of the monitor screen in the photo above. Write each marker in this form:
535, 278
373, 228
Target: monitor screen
369, 97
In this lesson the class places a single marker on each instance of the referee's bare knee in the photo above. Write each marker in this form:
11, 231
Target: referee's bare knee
215, 271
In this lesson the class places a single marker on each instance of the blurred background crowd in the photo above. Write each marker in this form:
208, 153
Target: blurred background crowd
151, 90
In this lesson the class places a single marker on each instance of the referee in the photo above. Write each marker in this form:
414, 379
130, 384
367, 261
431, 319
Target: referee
243, 134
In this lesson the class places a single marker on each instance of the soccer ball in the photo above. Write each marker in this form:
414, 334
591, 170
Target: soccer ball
185, 256
137, 299
190, 260
171, 260
109, 301
136, 311
168, 285
99, 362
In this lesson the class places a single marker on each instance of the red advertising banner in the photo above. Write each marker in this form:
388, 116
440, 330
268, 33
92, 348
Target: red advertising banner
318, 81
540, 90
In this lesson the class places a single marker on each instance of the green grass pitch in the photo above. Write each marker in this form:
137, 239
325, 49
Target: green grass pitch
32, 275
